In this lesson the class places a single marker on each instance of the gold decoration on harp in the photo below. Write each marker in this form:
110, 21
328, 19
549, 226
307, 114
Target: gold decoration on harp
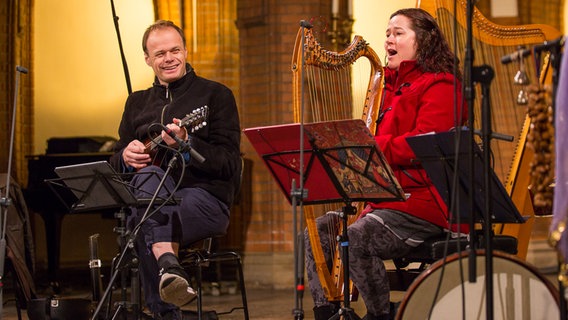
541, 140
322, 91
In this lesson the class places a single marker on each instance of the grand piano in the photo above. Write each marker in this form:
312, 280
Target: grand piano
41, 198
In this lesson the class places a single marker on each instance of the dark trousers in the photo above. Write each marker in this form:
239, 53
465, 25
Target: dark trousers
199, 215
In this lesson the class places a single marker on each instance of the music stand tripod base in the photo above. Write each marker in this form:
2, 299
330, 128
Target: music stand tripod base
346, 312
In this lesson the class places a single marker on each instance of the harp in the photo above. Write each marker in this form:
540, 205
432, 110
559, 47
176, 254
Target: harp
491, 42
326, 76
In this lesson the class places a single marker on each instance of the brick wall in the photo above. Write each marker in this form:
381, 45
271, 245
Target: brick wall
6, 88
267, 32
16, 49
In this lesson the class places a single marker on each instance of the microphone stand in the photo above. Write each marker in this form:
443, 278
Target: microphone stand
483, 75
469, 97
124, 64
346, 312
6, 202
128, 249
297, 200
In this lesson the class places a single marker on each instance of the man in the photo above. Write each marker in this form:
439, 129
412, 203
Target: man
206, 188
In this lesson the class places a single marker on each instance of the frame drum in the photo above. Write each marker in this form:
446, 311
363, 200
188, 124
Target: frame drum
519, 291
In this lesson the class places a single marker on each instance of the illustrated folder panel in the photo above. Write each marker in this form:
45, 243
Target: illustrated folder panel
341, 161
438, 154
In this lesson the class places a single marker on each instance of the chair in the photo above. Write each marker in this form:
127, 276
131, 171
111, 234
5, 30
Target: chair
202, 253
196, 257
434, 249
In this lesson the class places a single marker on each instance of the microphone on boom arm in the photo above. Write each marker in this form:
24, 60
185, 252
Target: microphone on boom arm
184, 145
515, 56
21, 69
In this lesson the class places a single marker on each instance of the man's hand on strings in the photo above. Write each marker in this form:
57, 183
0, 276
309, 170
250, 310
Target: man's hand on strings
135, 155
180, 132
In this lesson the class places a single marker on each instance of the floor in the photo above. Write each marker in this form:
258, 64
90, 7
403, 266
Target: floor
264, 303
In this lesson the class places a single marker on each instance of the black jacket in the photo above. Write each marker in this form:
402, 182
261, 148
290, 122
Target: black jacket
218, 142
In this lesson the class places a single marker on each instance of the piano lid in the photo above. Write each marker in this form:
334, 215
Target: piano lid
80, 144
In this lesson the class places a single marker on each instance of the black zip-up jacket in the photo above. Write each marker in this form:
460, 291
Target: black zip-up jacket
218, 141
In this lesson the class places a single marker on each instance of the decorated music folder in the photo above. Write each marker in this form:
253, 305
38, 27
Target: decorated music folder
341, 161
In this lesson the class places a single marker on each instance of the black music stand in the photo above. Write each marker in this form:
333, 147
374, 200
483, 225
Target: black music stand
453, 154
98, 186
344, 164
437, 154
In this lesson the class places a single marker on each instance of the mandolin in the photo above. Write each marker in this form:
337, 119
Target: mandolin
193, 122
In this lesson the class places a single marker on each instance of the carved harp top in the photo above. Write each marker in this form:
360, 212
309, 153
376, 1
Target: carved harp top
328, 80
485, 30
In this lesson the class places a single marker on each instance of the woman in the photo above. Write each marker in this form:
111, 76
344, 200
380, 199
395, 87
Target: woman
422, 86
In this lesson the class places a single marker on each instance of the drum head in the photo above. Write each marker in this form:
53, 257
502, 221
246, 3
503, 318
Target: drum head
444, 290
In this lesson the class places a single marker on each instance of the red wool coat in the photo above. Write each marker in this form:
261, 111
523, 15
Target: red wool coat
416, 103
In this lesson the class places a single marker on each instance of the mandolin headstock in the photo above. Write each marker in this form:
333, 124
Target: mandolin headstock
195, 120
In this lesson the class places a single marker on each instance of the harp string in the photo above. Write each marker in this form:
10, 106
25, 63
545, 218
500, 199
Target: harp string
489, 44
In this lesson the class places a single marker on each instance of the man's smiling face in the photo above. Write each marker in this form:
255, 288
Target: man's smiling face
166, 55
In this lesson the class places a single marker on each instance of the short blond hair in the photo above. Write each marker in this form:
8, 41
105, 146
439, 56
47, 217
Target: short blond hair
160, 24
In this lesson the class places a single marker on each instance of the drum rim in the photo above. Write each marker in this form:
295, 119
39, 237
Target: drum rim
464, 254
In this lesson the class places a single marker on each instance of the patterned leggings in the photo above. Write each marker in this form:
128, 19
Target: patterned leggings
370, 243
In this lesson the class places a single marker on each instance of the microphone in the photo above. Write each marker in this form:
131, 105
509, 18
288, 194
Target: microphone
515, 56
547, 45
21, 69
305, 24
184, 146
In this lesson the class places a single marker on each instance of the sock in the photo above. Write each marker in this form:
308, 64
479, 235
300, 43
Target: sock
169, 263
168, 260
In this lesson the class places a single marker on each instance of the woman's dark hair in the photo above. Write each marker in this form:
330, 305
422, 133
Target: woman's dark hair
160, 24
433, 53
